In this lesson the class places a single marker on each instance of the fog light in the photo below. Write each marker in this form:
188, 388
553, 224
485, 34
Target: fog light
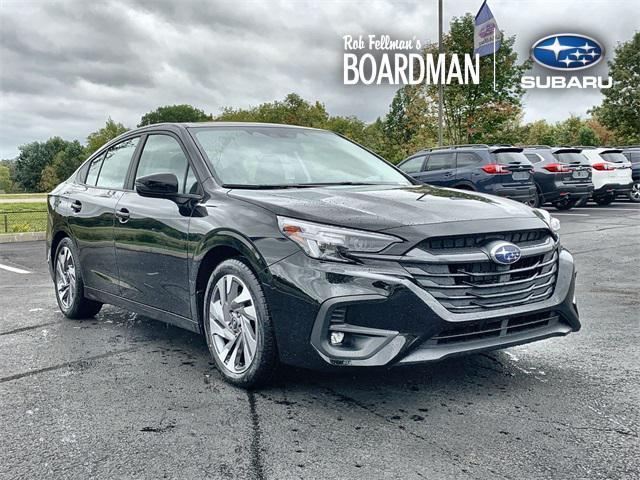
337, 338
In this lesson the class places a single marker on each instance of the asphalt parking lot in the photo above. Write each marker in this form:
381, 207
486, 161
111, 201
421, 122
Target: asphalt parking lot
123, 396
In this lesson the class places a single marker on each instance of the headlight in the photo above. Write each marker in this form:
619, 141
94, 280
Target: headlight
326, 242
553, 222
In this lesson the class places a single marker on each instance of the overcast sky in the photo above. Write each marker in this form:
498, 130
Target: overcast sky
67, 66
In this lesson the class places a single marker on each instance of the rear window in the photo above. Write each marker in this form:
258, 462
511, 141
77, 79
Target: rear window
571, 157
504, 158
614, 157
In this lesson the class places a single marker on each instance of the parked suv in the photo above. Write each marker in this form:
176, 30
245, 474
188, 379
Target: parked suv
611, 173
296, 245
499, 170
633, 155
562, 175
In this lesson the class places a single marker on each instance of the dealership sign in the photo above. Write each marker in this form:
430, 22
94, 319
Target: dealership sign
567, 53
383, 60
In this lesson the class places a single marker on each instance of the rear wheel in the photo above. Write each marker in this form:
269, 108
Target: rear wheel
606, 200
634, 194
238, 327
566, 204
535, 201
67, 278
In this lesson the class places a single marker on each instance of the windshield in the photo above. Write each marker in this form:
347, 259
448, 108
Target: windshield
271, 156
614, 157
571, 157
505, 158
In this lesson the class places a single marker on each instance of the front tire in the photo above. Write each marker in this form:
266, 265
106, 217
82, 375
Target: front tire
69, 285
237, 325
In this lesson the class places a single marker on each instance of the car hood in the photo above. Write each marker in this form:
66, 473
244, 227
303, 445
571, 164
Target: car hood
383, 207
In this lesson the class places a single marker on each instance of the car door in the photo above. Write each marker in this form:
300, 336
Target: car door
92, 202
151, 234
440, 169
413, 166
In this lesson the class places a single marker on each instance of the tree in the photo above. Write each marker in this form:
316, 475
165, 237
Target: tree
64, 164
174, 113
538, 133
32, 160
620, 109
98, 138
293, 110
6, 185
477, 113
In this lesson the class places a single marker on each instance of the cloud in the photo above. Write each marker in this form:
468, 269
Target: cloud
67, 66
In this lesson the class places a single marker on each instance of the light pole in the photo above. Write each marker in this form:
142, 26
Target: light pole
440, 86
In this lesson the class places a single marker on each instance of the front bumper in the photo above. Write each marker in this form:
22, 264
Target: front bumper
389, 319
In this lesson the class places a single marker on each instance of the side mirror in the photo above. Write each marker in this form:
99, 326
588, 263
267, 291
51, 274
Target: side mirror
159, 185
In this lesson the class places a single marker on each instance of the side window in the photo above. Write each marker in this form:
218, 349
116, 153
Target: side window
116, 164
466, 159
94, 170
163, 154
413, 165
441, 161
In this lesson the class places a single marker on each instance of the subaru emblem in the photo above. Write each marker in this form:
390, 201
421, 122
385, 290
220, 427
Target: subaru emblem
567, 52
504, 253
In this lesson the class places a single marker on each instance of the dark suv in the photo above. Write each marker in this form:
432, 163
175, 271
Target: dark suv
499, 170
562, 175
633, 154
296, 245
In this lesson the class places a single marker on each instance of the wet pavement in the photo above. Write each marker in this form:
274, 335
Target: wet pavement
124, 396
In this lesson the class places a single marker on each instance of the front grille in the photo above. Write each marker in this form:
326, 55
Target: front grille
481, 330
521, 238
485, 285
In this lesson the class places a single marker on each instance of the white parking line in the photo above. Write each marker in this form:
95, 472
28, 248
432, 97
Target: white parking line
13, 269
574, 214
605, 209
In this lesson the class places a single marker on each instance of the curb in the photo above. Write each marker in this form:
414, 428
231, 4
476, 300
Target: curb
21, 237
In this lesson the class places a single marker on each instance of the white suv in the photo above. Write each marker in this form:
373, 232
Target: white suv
611, 173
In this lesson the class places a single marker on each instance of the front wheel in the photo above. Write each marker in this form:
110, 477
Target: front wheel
238, 327
634, 194
67, 279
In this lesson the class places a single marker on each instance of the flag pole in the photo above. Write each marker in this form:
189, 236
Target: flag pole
440, 86
494, 58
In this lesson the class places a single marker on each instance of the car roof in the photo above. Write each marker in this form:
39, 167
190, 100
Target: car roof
225, 124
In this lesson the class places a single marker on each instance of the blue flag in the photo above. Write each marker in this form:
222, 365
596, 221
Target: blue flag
485, 29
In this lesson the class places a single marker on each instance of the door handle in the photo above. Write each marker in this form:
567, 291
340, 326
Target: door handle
123, 215
76, 206
448, 174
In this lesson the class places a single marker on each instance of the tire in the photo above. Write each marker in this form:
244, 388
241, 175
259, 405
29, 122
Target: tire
69, 285
232, 331
535, 201
565, 205
582, 201
606, 200
634, 194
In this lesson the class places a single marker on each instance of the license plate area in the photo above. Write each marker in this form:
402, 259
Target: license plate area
580, 174
520, 175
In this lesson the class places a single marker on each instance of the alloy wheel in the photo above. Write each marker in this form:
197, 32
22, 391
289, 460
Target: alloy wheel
635, 192
233, 323
65, 277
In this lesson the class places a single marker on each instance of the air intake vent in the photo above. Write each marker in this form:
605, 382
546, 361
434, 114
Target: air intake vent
338, 315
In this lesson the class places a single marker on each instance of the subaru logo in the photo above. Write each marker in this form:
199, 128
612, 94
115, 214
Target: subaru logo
505, 253
567, 52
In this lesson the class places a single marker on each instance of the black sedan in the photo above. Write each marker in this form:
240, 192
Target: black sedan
297, 245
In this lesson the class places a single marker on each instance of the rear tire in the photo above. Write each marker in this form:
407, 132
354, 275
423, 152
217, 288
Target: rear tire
69, 285
634, 194
535, 201
606, 200
565, 204
238, 327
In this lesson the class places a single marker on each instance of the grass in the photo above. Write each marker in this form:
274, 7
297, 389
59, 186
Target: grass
23, 217
9, 196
